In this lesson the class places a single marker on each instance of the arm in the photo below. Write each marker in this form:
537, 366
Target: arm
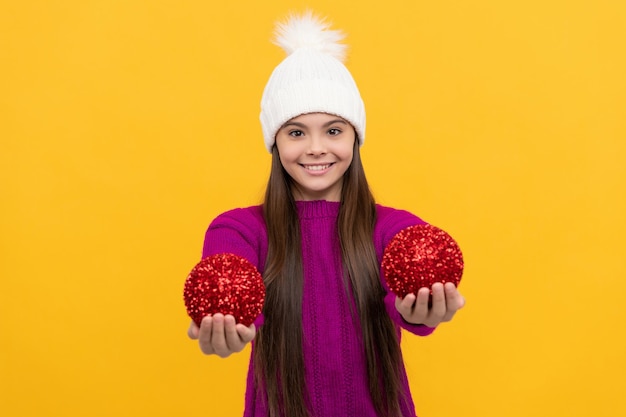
240, 232
421, 312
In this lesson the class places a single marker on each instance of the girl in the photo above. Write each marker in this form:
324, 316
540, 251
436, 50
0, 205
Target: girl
328, 341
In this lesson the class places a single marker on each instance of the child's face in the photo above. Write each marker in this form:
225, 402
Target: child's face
316, 150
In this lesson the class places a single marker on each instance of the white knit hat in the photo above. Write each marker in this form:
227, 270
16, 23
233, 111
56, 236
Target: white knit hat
311, 79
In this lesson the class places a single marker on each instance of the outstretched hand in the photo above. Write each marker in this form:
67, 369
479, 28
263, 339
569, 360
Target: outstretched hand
220, 335
446, 300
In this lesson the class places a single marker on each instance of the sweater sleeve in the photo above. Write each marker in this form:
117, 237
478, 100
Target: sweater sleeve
389, 223
240, 232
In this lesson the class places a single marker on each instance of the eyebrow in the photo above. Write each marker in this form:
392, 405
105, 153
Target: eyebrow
303, 126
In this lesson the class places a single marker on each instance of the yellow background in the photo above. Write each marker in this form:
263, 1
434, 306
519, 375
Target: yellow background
127, 125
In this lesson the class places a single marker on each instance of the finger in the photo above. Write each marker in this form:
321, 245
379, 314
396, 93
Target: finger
205, 334
454, 301
218, 337
246, 334
193, 330
460, 300
405, 305
399, 304
438, 309
420, 310
408, 302
233, 341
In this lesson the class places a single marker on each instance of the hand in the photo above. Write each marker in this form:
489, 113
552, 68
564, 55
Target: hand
446, 300
220, 335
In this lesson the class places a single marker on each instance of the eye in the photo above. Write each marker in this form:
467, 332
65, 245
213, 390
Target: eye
296, 133
334, 131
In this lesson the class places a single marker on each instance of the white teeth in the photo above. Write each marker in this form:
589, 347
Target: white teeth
317, 167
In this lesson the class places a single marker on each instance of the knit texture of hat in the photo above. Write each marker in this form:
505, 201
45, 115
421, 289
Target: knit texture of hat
311, 79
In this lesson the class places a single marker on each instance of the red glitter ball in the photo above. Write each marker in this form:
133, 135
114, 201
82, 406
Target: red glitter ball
227, 284
419, 256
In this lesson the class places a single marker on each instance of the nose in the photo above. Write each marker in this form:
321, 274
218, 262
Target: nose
317, 145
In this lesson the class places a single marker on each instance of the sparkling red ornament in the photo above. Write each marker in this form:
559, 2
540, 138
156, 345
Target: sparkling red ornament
419, 256
224, 283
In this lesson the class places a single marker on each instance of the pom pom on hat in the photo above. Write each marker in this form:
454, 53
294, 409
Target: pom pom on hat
311, 79
309, 31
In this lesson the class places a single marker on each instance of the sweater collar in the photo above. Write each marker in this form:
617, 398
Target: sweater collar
317, 208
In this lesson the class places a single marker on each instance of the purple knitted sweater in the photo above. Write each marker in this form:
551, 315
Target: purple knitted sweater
334, 360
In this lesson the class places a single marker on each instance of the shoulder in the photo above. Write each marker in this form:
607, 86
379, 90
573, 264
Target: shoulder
244, 218
387, 217
390, 221
246, 223
240, 231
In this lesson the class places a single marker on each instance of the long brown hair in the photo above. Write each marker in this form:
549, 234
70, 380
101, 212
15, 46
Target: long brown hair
278, 358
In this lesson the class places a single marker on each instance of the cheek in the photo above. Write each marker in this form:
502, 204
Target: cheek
346, 154
345, 150
287, 150
286, 157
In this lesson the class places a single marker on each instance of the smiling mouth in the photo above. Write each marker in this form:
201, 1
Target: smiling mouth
319, 167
